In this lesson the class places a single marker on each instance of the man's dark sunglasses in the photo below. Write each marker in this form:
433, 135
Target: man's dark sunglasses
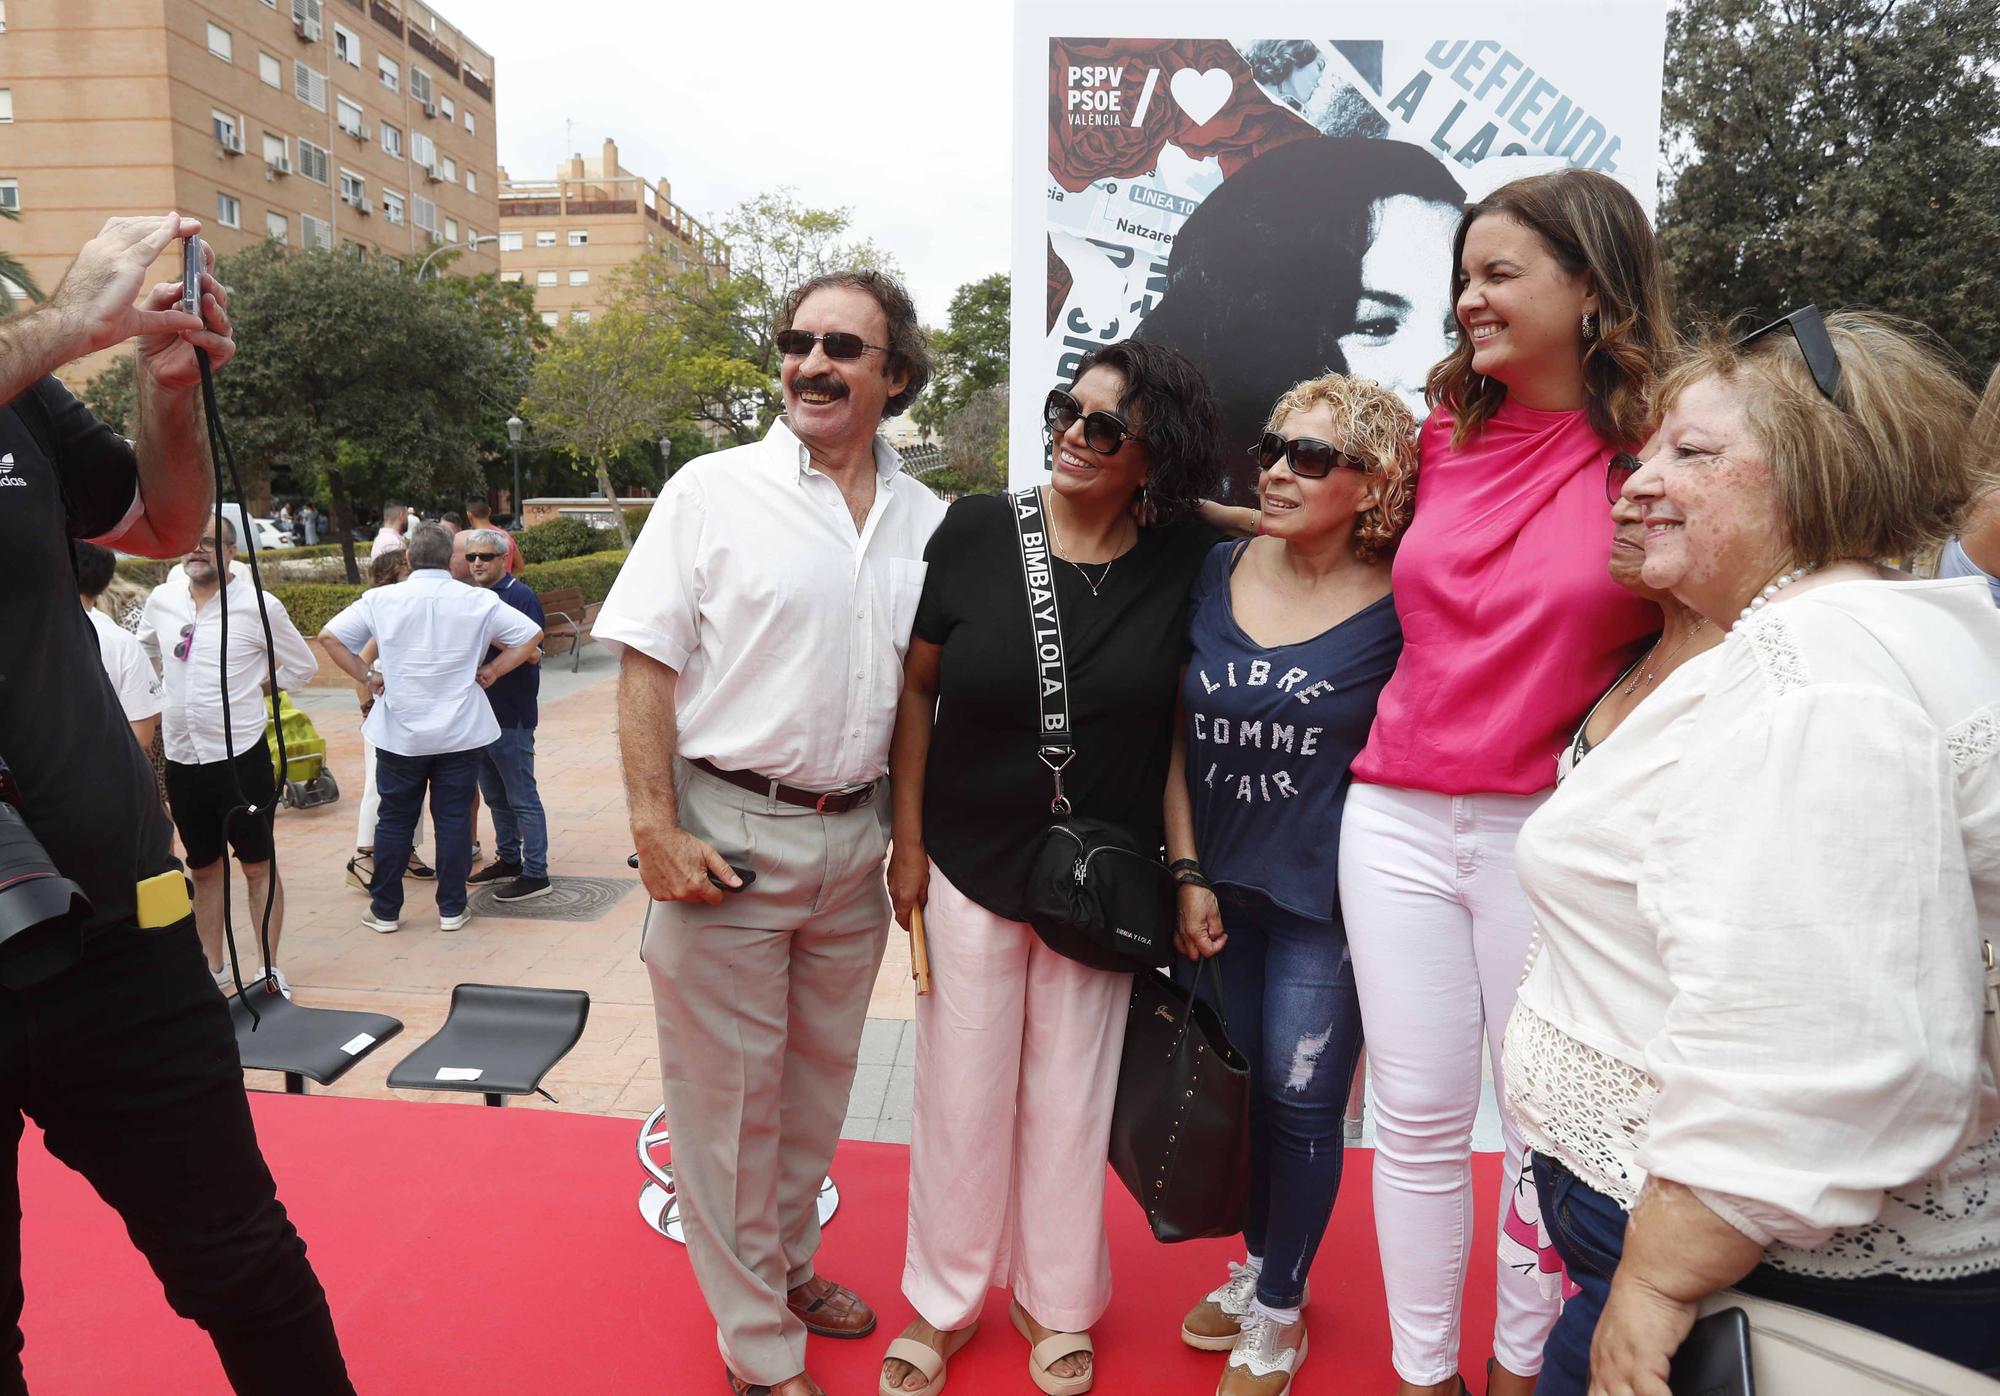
1623, 467
483, 557
187, 641
1102, 432
839, 344
1809, 332
1312, 459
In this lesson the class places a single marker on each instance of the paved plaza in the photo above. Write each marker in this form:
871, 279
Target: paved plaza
333, 961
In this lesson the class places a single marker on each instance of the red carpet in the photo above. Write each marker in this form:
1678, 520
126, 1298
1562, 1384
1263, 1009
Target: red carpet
470, 1250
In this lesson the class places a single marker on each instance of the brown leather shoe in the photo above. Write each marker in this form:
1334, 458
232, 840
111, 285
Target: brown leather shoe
830, 1310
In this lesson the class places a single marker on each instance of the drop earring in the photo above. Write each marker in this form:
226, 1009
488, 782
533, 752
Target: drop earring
1589, 326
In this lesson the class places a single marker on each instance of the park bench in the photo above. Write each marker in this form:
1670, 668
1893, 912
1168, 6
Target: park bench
567, 621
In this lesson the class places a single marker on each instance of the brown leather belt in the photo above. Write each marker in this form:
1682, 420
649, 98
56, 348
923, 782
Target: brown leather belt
828, 802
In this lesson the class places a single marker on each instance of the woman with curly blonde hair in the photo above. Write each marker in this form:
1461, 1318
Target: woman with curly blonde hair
1292, 636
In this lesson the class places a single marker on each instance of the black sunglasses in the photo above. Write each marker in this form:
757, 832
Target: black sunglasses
839, 344
1312, 459
482, 557
1102, 432
187, 641
1809, 333
1623, 467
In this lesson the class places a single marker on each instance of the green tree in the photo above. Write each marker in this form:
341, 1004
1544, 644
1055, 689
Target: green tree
359, 382
604, 387
971, 350
1842, 152
975, 439
12, 271
721, 352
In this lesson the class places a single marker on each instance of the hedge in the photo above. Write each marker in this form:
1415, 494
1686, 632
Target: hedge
313, 604
558, 538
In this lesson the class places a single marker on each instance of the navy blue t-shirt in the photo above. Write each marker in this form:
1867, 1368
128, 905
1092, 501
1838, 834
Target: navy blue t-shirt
1271, 735
515, 697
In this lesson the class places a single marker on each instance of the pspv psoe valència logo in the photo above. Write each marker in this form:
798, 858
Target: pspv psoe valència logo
7, 475
1096, 94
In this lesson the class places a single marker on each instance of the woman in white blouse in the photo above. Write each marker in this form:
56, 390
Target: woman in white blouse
1754, 1018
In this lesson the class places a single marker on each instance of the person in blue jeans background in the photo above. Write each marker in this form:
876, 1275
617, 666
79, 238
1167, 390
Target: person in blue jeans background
1292, 637
507, 767
430, 722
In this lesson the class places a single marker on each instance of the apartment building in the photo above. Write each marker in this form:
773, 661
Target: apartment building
569, 236
316, 123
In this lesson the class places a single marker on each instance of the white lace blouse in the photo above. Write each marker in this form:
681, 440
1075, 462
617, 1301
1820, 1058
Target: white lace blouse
1760, 902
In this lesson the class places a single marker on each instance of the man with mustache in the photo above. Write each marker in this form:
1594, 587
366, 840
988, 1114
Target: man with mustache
761, 622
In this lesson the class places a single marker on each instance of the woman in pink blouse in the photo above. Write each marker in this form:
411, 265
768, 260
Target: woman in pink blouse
1512, 629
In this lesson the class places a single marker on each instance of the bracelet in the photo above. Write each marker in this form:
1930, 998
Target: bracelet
1188, 878
1188, 863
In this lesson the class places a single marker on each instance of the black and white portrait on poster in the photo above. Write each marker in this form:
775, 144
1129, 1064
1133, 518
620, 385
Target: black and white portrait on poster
1280, 207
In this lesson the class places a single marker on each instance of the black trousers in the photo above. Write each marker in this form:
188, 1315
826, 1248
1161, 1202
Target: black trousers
128, 1063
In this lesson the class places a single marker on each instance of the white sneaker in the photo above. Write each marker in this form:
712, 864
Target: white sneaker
381, 927
1262, 1356
277, 976
1214, 1324
453, 923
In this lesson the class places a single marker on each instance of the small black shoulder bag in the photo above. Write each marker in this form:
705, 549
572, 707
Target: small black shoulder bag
1093, 893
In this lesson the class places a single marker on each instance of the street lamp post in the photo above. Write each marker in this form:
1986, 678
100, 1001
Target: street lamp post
470, 244
516, 429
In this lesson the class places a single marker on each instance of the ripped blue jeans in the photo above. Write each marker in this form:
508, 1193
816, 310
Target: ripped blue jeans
1288, 994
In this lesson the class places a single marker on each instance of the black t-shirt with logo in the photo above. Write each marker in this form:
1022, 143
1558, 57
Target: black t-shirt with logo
87, 790
986, 793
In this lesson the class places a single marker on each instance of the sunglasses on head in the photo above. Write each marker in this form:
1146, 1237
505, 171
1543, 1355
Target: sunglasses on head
838, 344
1311, 459
187, 642
1103, 432
1623, 467
482, 557
1808, 331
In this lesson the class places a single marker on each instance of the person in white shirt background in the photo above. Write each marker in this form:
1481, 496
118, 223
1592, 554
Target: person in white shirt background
125, 661
430, 722
208, 777
761, 624
1753, 1019
395, 523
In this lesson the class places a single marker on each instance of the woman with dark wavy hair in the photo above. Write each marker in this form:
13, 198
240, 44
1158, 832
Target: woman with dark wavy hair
1018, 1047
1512, 627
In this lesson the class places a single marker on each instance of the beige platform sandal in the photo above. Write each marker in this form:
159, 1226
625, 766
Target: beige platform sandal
1051, 1350
931, 1364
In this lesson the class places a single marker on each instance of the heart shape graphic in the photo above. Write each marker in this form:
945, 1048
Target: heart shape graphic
1202, 95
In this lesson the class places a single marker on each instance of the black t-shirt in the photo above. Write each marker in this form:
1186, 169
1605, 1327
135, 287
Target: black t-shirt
986, 793
87, 790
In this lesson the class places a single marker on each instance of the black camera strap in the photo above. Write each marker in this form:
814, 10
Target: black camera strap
1054, 744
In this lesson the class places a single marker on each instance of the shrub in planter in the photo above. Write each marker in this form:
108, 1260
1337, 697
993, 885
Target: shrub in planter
312, 604
559, 538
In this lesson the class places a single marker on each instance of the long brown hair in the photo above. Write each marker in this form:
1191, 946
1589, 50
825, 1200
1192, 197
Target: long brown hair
1592, 226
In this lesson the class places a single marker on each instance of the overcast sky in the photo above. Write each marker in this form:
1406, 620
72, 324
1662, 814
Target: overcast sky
896, 110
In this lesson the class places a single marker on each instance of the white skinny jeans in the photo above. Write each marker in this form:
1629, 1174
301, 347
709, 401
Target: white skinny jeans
1439, 929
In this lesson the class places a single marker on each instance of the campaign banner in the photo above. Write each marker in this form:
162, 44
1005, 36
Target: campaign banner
1280, 206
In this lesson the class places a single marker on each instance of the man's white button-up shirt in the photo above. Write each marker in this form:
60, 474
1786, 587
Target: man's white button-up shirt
192, 677
431, 632
786, 624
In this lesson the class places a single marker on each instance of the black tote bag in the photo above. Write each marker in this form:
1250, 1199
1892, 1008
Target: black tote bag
1180, 1130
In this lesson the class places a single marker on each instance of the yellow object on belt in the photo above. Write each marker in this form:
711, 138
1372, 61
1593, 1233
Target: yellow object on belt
163, 900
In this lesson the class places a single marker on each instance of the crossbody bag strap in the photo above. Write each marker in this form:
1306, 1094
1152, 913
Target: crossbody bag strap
1054, 746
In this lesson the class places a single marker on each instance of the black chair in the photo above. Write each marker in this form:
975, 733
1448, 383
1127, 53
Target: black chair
317, 1044
498, 1040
